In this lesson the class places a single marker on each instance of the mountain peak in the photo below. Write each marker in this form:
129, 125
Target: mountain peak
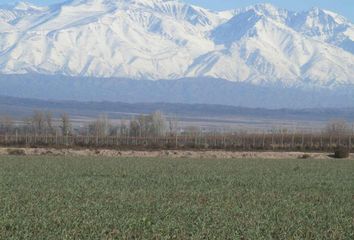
265, 6
269, 10
315, 10
26, 6
326, 15
119, 1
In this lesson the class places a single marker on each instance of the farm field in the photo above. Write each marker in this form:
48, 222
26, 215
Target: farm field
48, 197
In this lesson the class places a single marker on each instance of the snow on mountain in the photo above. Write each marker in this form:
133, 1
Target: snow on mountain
325, 26
168, 39
25, 6
278, 53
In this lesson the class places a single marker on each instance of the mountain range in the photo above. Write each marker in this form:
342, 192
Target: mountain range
261, 46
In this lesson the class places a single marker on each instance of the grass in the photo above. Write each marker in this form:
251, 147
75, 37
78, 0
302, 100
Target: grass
106, 198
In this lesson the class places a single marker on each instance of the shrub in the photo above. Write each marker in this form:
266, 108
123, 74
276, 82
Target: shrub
16, 151
341, 152
305, 156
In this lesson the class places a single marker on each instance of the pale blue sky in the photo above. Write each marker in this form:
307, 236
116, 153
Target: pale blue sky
344, 7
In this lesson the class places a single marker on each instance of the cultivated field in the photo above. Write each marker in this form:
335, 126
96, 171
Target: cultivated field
48, 197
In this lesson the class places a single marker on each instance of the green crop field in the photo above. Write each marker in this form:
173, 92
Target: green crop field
109, 198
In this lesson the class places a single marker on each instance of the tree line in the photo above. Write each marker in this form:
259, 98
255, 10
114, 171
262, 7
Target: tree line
156, 131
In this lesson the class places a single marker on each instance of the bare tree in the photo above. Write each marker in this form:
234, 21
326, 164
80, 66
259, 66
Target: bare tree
49, 122
101, 127
173, 125
158, 123
123, 128
135, 128
38, 122
27, 125
65, 124
6, 124
152, 125
337, 128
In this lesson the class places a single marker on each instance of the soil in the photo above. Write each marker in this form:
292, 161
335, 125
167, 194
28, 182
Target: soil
165, 153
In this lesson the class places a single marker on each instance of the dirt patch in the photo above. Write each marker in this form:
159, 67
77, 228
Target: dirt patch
166, 153
16, 151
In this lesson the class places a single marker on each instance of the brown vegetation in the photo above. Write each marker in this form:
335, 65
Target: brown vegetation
341, 152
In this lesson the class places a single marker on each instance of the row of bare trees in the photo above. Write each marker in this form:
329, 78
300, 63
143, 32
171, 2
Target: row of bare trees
40, 123
157, 131
44, 124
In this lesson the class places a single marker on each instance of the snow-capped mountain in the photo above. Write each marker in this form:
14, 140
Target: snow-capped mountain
168, 39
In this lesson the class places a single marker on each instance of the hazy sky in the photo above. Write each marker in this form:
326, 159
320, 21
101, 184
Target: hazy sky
344, 7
